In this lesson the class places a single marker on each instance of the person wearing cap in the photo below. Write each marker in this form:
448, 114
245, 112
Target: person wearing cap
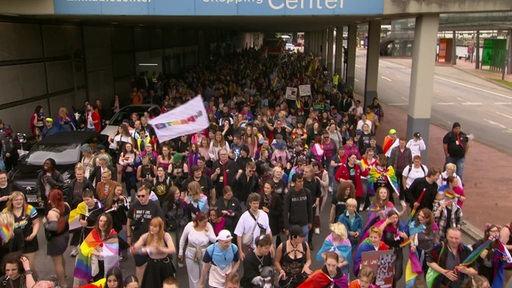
416, 144
293, 258
220, 260
49, 128
456, 146
390, 142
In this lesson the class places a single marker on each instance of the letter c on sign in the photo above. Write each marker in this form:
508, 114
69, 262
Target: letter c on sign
275, 7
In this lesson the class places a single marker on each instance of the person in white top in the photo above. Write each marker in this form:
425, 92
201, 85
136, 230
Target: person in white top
363, 121
413, 171
198, 234
252, 223
416, 144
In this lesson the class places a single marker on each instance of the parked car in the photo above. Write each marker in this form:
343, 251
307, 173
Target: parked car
125, 113
64, 148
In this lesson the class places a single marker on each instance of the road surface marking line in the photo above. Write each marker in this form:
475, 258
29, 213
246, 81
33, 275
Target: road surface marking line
398, 104
403, 98
471, 103
507, 131
504, 115
445, 103
474, 87
386, 78
460, 99
503, 103
495, 123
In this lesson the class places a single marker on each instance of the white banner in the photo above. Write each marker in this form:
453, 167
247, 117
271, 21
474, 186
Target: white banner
183, 120
304, 90
291, 93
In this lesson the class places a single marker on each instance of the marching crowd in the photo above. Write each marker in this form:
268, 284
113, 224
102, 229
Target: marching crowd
239, 203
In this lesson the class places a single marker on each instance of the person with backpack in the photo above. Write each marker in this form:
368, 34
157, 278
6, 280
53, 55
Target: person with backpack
411, 172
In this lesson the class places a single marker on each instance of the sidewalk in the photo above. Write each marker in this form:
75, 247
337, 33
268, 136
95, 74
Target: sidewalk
484, 73
486, 176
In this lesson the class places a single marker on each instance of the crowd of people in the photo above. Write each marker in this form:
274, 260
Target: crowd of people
239, 203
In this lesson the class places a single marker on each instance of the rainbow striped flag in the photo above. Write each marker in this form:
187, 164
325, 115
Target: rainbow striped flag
476, 253
412, 270
5, 233
448, 194
405, 243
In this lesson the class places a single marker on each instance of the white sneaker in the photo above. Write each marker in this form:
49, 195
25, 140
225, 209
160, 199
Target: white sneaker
317, 231
74, 252
361, 208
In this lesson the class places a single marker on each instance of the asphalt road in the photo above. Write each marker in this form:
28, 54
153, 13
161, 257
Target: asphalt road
483, 108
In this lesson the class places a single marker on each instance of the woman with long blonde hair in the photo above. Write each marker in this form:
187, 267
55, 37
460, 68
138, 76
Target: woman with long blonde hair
26, 221
157, 245
217, 144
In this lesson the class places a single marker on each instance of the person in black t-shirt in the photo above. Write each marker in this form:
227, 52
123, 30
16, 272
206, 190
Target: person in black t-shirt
455, 145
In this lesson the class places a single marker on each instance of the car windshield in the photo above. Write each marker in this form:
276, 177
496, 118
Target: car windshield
64, 154
126, 113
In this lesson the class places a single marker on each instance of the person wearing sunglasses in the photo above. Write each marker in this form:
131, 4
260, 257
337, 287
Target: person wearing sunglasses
139, 216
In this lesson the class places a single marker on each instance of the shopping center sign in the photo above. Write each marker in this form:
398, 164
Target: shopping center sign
219, 7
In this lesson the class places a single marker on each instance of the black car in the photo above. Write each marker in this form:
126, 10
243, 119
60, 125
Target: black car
64, 148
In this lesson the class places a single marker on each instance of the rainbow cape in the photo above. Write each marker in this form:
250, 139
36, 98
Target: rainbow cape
109, 252
389, 173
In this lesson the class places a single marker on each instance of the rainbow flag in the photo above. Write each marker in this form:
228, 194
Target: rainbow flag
83, 267
405, 243
448, 194
5, 233
413, 269
476, 253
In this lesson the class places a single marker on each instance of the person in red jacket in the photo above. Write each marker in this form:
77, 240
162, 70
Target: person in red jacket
352, 172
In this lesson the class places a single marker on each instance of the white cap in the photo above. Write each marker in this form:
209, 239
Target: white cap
224, 235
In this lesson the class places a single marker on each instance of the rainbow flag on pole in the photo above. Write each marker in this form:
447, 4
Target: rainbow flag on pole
5, 233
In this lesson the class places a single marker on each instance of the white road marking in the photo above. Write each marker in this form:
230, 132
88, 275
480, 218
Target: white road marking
504, 115
460, 99
503, 103
471, 103
509, 131
495, 123
403, 98
386, 78
474, 87
445, 103
399, 104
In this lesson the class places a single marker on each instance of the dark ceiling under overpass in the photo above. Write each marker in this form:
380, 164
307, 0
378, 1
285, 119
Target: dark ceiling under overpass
448, 22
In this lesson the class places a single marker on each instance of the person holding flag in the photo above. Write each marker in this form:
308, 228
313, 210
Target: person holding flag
445, 262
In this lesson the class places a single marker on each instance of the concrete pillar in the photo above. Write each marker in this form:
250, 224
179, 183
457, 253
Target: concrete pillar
351, 57
422, 76
330, 50
372, 62
307, 42
477, 52
454, 48
338, 54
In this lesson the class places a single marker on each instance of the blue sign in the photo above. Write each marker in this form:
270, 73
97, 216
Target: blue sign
219, 7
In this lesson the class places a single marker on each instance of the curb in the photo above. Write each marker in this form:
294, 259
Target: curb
471, 231
481, 77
